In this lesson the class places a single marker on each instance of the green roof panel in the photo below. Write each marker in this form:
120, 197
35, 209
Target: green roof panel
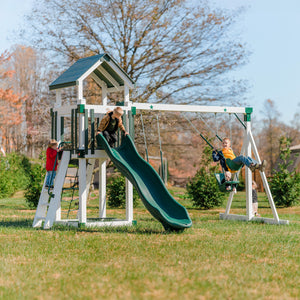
103, 78
70, 76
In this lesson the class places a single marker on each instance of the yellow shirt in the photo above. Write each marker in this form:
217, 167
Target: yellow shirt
228, 153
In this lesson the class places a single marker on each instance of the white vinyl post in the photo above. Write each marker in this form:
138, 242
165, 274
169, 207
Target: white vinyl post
126, 94
129, 200
82, 191
58, 98
128, 184
104, 95
248, 173
102, 188
82, 161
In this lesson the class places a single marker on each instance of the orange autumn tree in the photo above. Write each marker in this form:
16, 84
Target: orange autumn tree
11, 108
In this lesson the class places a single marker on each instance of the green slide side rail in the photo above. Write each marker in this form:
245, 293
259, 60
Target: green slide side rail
147, 182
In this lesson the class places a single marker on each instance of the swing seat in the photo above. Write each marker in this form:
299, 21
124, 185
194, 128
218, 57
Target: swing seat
232, 165
220, 177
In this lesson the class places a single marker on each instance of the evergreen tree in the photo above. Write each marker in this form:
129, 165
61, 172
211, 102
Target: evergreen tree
285, 185
203, 188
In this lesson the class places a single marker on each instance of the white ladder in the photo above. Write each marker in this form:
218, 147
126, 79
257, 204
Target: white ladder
48, 208
41, 211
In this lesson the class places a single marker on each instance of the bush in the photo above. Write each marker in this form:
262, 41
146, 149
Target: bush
116, 196
203, 190
285, 185
6, 186
13, 174
36, 179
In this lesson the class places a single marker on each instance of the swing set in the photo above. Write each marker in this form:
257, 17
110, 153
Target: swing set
248, 146
220, 177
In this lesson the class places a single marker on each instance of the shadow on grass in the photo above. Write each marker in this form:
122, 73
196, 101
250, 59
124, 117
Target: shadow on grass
27, 223
140, 229
16, 208
16, 223
124, 230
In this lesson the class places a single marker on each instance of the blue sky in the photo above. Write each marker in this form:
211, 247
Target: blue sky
271, 29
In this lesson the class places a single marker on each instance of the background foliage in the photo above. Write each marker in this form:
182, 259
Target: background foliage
116, 196
177, 51
203, 188
36, 179
204, 191
14, 174
285, 185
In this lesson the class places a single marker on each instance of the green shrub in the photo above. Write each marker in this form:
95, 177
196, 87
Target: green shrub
6, 185
34, 188
19, 167
203, 190
285, 185
37, 173
116, 196
13, 174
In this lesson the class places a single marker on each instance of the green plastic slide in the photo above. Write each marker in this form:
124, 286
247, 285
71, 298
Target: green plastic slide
147, 182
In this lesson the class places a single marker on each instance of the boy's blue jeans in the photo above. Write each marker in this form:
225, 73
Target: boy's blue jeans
244, 160
50, 178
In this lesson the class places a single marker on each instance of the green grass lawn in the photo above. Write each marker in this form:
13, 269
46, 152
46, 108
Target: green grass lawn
212, 260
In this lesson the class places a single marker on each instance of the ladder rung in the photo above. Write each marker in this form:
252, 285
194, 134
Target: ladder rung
71, 188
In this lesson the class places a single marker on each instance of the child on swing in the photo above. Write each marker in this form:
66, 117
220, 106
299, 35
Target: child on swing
227, 178
227, 152
110, 124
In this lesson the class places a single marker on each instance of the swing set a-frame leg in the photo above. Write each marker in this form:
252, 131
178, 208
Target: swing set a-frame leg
266, 185
246, 148
229, 202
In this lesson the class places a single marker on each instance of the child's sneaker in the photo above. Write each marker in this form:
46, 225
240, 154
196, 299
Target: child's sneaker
262, 166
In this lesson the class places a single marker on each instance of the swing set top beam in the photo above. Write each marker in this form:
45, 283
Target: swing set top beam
192, 108
133, 106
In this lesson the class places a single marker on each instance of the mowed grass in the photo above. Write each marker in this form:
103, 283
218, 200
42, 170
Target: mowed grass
212, 260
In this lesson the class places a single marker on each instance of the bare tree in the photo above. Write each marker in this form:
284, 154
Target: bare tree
29, 78
271, 132
176, 50
296, 126
11, 104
